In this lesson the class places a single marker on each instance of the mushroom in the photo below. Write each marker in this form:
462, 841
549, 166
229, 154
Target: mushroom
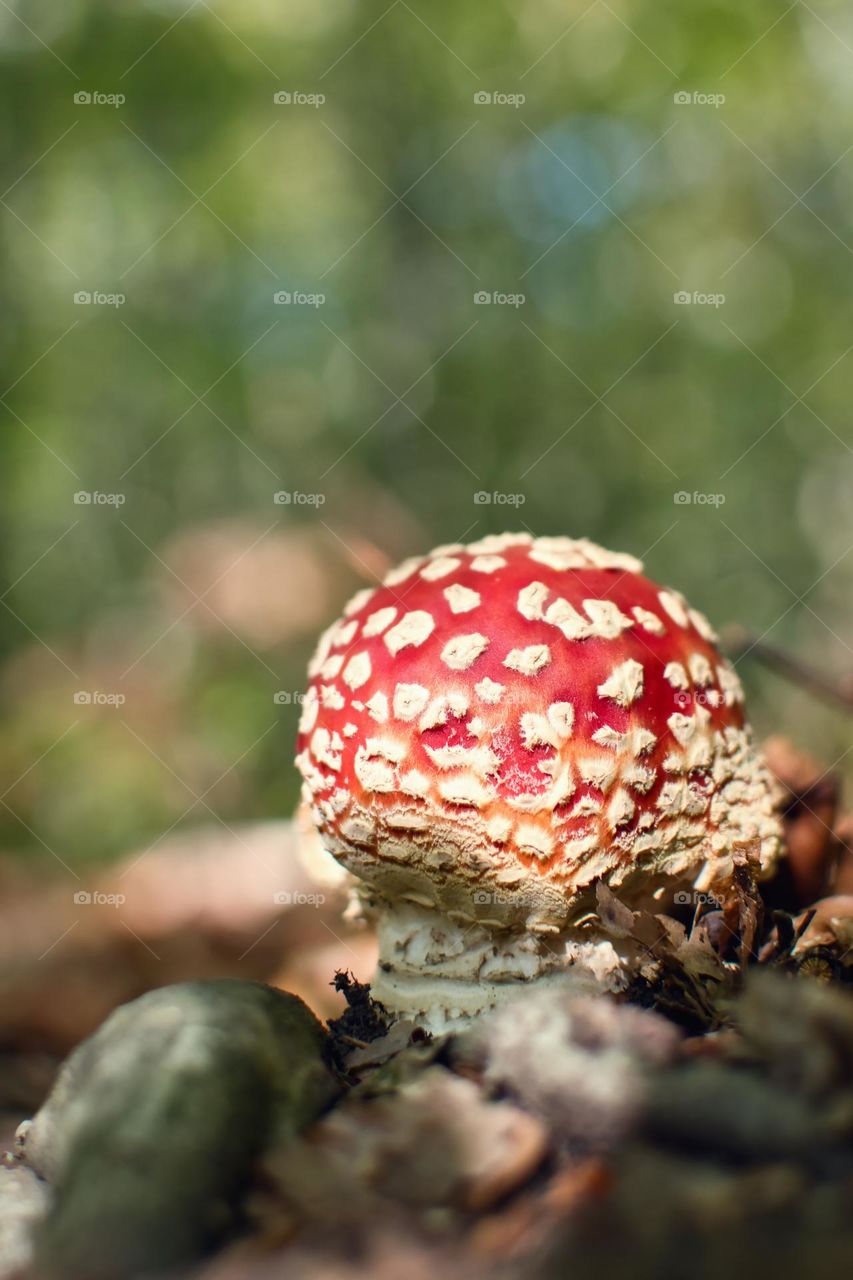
501, 727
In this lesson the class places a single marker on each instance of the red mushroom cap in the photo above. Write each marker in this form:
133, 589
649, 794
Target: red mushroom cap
508, 722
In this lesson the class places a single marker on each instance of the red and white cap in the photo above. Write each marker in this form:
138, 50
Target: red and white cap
501, 725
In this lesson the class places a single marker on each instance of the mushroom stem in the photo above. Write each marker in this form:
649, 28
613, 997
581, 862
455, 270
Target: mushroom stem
441, 972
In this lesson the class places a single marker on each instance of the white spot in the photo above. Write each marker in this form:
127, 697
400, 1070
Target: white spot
373, 774
332, 666
378, 707
587, 807
620, 809
489, 690
462, 651
378, 621
640, 777
608, 621
481, 760
331, 697
675, 675
624, 684
675, 798
386, 748
598, 771
409, 700
682, 727
465, 788
580, 553
308, 718
529, 661
532, 839
403, 571
649, 621
703, 626
357, 671
674, 606
561, 717
566, 618
461, 599
455, 704
345, 633
359, 600
640, 741
536, 731
412, 629
499, 829
439, 568
611, 738
730, 684
320, 654
326, 748
499, 542
350, 729
487, 564
339, 800
700, 668
557, 558
604, 559
415, 783
531, 601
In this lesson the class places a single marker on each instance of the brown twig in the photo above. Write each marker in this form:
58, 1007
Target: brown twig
741, 643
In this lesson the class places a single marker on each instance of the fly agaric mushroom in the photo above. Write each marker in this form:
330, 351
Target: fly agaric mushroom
498, 728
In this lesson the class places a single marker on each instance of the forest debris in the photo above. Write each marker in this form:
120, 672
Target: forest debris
158, 1117
801, 1033
24, 1200
809, 815
362, 1021
384, 1047
828, 924
520, 1227
578, 1062
437, 1141
709, 1107
616, 918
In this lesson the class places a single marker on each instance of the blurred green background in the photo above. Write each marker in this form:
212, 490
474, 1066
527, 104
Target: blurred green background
580, 165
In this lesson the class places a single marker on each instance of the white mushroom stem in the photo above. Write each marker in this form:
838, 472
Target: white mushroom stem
441, 972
